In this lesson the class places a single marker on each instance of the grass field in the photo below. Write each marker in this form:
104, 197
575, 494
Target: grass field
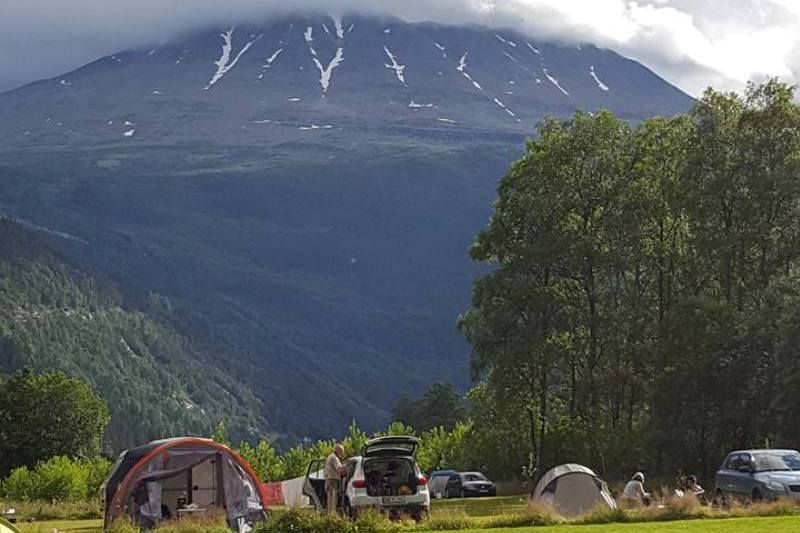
64, 526
471, 516
783, 524
480, 506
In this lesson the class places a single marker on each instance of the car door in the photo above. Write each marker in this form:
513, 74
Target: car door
314, 484
747, 479
453, 488
742, 474
726, 477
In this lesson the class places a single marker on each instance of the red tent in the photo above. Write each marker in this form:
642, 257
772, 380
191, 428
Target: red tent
183, 477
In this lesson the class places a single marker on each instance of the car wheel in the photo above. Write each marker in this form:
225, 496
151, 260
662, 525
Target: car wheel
720, 499
757, 497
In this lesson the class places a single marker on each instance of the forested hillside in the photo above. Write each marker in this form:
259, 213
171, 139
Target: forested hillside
53, 317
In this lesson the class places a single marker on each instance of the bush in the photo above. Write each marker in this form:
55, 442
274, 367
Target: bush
18, 485
57, 479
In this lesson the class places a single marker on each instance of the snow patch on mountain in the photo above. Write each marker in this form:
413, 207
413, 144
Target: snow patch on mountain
506, 41
270, 60
600, 84
554, 82
462, 68
337, 21
224, 63
503, 106
395, 66
326, 72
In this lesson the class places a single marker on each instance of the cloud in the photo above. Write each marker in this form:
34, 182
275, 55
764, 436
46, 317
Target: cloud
691, 43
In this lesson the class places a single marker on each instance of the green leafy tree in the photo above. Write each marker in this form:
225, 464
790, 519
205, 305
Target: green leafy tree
264, 459
220, 434
644, 287
355, 441
439, 406
48, 415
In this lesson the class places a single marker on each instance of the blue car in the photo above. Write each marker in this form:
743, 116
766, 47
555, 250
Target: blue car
756, 475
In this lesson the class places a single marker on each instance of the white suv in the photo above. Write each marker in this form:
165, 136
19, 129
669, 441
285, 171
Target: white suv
385, 478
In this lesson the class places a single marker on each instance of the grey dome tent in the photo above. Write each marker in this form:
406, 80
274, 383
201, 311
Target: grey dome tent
167, 478
572, 490
7, 527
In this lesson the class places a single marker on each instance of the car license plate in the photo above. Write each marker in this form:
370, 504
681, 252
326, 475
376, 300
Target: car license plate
393, 500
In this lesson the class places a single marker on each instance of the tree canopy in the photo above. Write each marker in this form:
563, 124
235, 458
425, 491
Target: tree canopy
642, 308
439, 406
48, 415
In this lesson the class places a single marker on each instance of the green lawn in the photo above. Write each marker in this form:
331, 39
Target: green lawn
63, 526
788, 524
480, 506
783, 524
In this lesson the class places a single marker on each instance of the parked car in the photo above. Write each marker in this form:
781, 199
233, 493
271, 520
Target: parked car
385, 477
437, 481
469, 484
756, 475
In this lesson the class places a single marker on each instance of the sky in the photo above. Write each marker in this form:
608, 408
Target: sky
691, 43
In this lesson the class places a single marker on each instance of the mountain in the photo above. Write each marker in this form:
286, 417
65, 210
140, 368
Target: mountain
304, 190
54, 316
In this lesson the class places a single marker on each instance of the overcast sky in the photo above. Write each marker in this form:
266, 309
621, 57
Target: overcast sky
692, 43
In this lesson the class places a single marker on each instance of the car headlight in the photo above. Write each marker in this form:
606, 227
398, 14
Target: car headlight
775, 486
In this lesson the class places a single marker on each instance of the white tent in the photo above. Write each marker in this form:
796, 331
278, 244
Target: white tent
572, 490
7, 527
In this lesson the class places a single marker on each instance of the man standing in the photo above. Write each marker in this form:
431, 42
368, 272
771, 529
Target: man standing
333, 475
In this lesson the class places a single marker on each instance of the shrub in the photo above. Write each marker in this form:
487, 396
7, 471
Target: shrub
60, 479
57, 479
18, 485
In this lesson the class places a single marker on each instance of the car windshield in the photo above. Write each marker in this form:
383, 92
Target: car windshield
766, 462
473, 476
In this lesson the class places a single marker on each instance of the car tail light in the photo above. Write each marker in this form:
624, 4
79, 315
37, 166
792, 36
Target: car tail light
359, 483
422, 481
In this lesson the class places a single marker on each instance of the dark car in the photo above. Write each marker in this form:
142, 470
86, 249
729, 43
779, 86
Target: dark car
437, 481
469, 484
755, 475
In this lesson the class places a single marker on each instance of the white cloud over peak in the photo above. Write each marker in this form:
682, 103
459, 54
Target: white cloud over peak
692, 43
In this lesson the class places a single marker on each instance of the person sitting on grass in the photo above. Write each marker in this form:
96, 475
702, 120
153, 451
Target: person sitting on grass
634, 493
694, 488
